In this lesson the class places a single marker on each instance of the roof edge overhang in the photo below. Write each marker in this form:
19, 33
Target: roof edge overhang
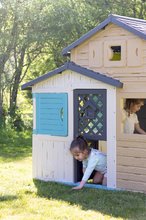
76, 68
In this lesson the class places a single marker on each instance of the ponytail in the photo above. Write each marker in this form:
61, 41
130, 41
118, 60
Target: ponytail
79, 142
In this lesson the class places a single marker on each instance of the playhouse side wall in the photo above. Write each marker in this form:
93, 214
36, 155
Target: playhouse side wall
131, 149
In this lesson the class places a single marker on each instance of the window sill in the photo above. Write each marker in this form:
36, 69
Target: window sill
132, 137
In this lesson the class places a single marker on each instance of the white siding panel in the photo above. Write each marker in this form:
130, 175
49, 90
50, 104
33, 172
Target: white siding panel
69, 165
111, 138
34, 158
52, 160
39, 159
59, 160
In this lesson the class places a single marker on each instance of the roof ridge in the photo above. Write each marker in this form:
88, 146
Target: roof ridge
129, 18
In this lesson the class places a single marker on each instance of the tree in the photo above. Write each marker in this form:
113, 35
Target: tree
22, 45
34, 32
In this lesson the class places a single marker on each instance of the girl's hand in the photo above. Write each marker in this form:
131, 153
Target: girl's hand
82, 183
77, 187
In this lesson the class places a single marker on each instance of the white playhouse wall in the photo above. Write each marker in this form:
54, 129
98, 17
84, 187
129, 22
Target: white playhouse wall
51, 157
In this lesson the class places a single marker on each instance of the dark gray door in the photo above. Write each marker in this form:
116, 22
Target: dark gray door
89, 119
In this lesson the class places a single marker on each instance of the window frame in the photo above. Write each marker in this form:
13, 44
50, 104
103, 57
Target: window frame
121, 136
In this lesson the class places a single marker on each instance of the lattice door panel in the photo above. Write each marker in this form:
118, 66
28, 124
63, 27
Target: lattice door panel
90, 113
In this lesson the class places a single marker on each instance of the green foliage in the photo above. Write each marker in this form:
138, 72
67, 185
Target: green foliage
116, 56
16, 121
14, 145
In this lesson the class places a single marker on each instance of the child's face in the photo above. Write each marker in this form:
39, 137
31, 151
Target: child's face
135, 107
79, 155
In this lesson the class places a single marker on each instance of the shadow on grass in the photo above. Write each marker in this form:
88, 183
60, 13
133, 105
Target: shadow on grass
15, 145
7, 198
113, 203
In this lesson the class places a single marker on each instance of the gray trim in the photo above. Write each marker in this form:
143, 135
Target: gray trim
78, 69
86, 36
115, 19
130, 29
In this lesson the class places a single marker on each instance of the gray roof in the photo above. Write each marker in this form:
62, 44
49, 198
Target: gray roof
78, 69
133, 25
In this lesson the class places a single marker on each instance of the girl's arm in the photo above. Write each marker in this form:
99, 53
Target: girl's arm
139, 129
84, 169
91, 165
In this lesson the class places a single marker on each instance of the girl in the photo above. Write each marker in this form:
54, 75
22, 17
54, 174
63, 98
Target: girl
130, 119
92, 159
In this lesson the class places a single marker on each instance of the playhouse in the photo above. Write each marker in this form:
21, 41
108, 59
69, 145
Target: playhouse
85, 96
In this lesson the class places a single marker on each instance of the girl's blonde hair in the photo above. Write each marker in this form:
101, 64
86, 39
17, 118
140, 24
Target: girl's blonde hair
128, 103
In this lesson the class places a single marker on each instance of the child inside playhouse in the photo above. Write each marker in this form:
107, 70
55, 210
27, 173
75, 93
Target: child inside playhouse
92, 160
130, 119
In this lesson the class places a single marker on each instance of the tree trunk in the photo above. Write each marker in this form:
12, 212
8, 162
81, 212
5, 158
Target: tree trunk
1, 102
2, 65
15, 86
4, 57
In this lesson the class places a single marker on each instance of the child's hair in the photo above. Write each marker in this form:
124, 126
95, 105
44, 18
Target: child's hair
128, 102
79, 142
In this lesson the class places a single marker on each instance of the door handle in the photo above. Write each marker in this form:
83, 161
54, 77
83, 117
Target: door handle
62, 114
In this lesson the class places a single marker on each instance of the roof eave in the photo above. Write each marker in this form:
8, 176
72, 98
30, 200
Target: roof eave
66, 50
97, 76
76, 68
43, 77
130, 29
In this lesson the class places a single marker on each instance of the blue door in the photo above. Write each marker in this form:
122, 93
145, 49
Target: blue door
51, 114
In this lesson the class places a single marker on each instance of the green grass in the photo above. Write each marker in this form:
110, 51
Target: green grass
23, 198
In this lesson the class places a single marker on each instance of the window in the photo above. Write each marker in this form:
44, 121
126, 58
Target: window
90, 113
115, 53
51, 114
133, 115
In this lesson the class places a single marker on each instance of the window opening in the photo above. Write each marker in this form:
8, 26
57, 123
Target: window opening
133, 116
90, 111
115, 53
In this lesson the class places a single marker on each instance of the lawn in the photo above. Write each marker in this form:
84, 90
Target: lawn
23, 198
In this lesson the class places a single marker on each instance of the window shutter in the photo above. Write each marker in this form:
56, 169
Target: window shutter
51, 114
134, 52
95, 54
